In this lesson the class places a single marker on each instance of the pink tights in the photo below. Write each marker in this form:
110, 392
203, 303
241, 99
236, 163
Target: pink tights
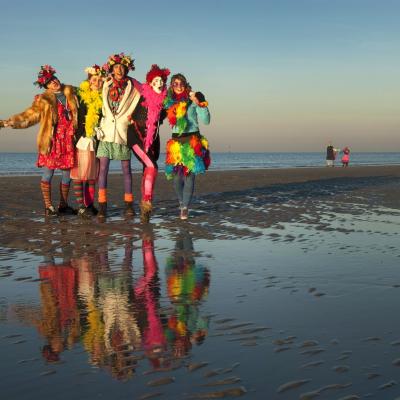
149, 173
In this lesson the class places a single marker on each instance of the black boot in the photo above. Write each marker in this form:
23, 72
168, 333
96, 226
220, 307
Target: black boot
67, 210
51, 212
92, 209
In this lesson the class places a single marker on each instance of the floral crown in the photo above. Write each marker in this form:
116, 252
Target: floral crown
157, 71
95, 70
120, 58
45, 75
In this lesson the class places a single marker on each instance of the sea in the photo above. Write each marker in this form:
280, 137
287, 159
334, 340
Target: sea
19, 164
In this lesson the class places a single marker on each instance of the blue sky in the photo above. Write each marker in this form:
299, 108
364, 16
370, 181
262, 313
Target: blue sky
279, 75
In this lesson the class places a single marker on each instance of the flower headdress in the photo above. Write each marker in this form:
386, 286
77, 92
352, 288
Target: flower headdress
95, 70
155, 71
120, 58
45, 75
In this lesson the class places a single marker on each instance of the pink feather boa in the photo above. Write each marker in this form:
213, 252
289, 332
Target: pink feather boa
154, 103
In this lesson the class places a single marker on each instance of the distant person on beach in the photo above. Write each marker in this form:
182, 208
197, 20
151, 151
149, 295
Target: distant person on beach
57, 112
85, 171
330, 155
120, 98
143, 136
345, 157
187, 150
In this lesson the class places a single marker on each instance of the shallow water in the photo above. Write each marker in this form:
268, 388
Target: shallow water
296, 310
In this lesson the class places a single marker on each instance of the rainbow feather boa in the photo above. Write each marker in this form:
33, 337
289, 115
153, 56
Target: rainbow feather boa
176, 110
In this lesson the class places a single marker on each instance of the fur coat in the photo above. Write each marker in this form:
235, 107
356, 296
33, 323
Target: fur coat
44, 110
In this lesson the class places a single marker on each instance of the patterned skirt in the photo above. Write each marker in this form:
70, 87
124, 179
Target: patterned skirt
187, 155
113, 151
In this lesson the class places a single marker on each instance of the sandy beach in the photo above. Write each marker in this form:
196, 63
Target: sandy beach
252, 197
283, 284
23, 196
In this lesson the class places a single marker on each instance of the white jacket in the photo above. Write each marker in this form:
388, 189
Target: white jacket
114, 126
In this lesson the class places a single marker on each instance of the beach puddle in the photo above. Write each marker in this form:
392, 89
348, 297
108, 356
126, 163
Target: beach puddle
287, 309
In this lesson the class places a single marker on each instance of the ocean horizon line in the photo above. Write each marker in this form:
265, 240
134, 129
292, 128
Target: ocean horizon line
23, 164
247, 152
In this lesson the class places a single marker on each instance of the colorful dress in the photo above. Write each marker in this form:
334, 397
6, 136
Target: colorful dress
187, 151
62, 153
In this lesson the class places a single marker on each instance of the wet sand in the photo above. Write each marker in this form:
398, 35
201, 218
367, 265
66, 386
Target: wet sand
22, 194
283, 284
239, 197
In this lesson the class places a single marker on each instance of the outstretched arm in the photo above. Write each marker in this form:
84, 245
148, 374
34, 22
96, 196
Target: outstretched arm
27, 118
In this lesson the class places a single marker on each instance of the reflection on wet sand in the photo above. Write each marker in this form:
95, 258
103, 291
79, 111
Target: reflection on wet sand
58, 318
187, 284
59, 321
117, 318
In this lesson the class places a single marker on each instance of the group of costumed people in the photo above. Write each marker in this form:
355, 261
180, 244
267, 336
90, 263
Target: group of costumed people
109, 116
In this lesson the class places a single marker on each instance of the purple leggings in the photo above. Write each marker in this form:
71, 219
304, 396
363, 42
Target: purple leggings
126, 170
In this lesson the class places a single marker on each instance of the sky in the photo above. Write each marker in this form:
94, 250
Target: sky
279, 75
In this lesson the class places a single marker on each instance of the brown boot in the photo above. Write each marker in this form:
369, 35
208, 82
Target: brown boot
63, 207
129, 211
102, 212
49, 210
145, 211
